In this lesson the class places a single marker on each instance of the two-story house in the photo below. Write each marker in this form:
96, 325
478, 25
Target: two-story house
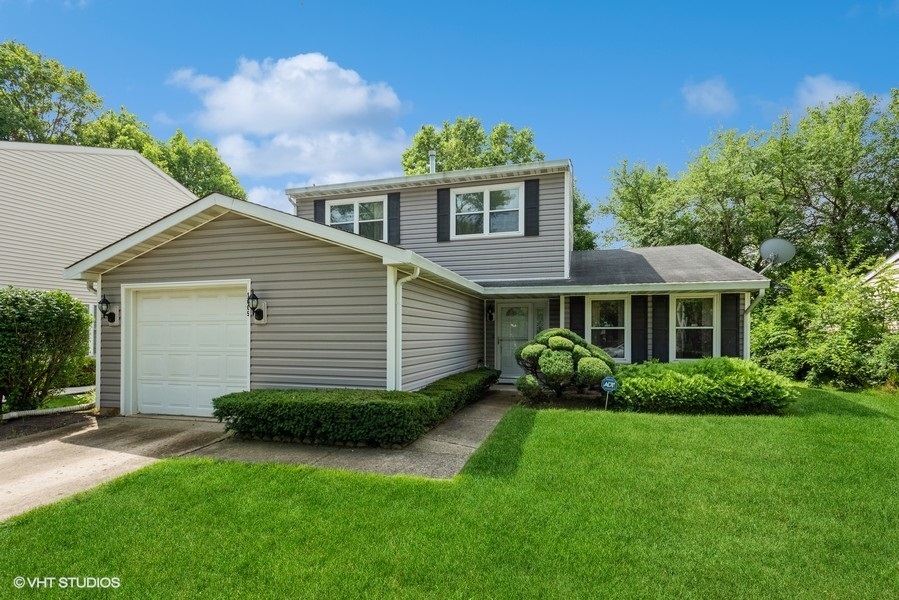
390, 284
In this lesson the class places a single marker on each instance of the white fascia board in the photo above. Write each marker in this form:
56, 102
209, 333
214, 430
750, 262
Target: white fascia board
82, 268
443, 178
411, 259
636, 288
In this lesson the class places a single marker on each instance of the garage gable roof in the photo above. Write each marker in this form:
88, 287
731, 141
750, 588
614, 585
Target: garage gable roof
213, 206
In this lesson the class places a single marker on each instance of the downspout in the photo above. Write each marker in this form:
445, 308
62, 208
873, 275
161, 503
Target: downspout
746, 312
398, 324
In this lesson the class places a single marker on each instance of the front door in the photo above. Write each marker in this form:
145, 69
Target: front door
515, 324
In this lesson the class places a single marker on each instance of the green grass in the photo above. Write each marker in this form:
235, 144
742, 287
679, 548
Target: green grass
69, 400
557, 504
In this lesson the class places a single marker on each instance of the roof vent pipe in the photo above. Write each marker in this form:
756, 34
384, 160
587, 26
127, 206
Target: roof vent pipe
432, 161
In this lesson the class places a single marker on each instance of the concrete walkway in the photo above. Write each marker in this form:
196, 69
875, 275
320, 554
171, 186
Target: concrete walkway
45, 467
439, 454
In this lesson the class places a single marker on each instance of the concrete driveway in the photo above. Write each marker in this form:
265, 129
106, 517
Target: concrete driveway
42, 468
45, 467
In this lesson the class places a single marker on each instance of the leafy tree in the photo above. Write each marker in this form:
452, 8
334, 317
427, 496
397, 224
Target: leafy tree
43, 338
465, 144
119, 130
198, 167
831, 327
828, 183
41, 100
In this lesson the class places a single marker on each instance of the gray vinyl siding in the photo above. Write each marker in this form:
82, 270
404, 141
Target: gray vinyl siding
327, 305
62, 203
484, 258
443, 333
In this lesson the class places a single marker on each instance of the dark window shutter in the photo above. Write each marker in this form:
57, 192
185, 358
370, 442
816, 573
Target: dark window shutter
393, 218
639, 323
576, 316
318, 208
730, 325
660, 328
532, 207
553, 312
443, 215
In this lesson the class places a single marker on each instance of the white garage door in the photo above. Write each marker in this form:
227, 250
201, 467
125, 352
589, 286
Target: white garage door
192, 345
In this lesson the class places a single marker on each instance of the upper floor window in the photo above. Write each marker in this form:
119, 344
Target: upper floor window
364, 217
487, 210
609, 320
695, 327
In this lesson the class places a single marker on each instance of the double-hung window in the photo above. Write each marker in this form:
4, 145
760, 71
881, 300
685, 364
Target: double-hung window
695, 328
487, 210
609, 320
364, 216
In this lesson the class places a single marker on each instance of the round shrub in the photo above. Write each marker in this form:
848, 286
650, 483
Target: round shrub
591, 371
553, 361
557, 342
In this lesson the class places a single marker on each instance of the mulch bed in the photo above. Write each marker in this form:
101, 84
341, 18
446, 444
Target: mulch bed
16, 428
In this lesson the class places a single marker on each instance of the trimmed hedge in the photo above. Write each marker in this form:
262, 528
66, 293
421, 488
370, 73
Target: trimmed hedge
711, 385
349, 416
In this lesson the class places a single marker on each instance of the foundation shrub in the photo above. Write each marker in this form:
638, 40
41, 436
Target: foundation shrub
708, 386
349, 416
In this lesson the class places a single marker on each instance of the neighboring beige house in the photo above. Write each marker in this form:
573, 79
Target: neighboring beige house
60, 203
889, 267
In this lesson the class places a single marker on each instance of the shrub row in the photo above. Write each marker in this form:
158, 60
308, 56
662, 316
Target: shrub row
711, 385
349, 416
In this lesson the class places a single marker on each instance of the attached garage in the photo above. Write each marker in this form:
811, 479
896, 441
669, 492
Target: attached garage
190, 345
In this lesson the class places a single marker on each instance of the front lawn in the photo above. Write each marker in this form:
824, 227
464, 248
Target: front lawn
556, 504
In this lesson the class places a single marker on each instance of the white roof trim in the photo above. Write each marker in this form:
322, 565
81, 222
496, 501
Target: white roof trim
443, 178
630, 288
87, 268
883, 266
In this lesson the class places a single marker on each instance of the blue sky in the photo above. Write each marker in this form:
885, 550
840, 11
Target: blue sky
306, 92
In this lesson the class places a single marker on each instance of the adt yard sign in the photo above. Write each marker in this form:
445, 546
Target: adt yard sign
609, 384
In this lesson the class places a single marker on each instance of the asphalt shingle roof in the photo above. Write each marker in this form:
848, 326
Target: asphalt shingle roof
658, 264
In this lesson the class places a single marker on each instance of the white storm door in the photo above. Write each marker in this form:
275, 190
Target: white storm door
191, 345
515, 326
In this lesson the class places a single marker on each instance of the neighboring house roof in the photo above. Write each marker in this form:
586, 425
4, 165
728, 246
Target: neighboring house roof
213, 206
889, 264
693, 267
444, 178
59, 203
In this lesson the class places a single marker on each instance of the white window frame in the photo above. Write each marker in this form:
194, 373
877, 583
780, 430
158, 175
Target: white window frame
672, 319
486, 189
588, 323
356, 202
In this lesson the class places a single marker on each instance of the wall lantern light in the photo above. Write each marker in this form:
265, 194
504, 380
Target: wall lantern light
490, 314
253, 306
104, 308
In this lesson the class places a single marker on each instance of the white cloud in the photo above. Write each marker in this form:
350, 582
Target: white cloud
710, 97
815, 90
303, 92
304, 117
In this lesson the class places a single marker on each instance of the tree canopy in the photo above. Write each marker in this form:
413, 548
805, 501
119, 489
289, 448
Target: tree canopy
465, 144
40, 99
829, 184
43, 101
